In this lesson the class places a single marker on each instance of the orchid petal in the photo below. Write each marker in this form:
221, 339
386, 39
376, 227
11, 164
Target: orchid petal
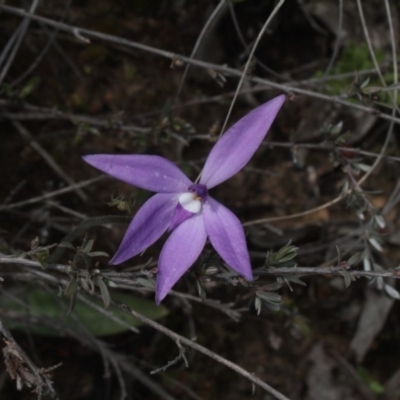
179, 252
148, 224
179, 216
153, 173
235, 148
226, 234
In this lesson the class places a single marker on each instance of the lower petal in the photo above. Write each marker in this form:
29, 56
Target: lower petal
149, 223
226, 234
179, 253
179, 216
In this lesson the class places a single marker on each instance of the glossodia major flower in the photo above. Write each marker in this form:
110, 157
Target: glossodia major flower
185, 208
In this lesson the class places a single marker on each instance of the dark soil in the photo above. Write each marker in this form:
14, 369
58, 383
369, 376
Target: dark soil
303, 350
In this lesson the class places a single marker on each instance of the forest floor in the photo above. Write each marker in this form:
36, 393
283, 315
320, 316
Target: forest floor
325, 324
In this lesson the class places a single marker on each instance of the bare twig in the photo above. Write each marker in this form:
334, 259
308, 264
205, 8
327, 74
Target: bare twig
267, 271
17, 38
213, 17
327, 147
393, 97
227, 309
43, 113
247, 47
48, 159
338, 40
39, 58
50, 195
66, 209
362, 387
108, 314
249, 60
14, 191
23, 370
176, 337
118, 361
297, 215
201, 64
368, 40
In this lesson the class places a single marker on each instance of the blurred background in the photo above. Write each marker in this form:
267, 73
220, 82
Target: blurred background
321, 322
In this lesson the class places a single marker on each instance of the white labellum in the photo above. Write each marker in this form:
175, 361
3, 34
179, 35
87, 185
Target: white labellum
189, 202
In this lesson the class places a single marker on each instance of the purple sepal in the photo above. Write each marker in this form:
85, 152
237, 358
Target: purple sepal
179, 216
179, 253
148, 224
235, 148
153, 173
226, 234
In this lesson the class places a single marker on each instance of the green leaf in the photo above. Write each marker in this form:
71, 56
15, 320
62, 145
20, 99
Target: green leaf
45, 313
365, 83
336, 129
376, 387
374, 242
285, 254
287, 257
147, 283
88, 246
67, 245
380, 220
373, 384
257, 305
295, 279
86, 259
348, 278
98, 254
31, 85
355, 259
41, 254
72, 303
72, 287
269, 296
35, 243
105, 294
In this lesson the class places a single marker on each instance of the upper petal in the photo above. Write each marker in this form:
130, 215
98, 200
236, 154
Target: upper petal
179, 253
235, 148
148, 224
147, 172
225, 233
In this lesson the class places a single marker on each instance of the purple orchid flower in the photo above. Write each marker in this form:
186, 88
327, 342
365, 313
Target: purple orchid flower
184, 207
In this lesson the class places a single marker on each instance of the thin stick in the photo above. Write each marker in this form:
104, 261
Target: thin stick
39, 58
324, 147
368, 40
267, 271
50, 195
18, 40
44, 386
199, 63
247, 47
176, 337
246, 67
51, 113
48, 158
210, 20
297, 215
338, 40
394, 96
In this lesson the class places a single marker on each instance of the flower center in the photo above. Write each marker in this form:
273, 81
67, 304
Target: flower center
199, 190
191, 201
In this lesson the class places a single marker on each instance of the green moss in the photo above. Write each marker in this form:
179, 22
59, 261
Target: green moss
356, 57
353, 58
